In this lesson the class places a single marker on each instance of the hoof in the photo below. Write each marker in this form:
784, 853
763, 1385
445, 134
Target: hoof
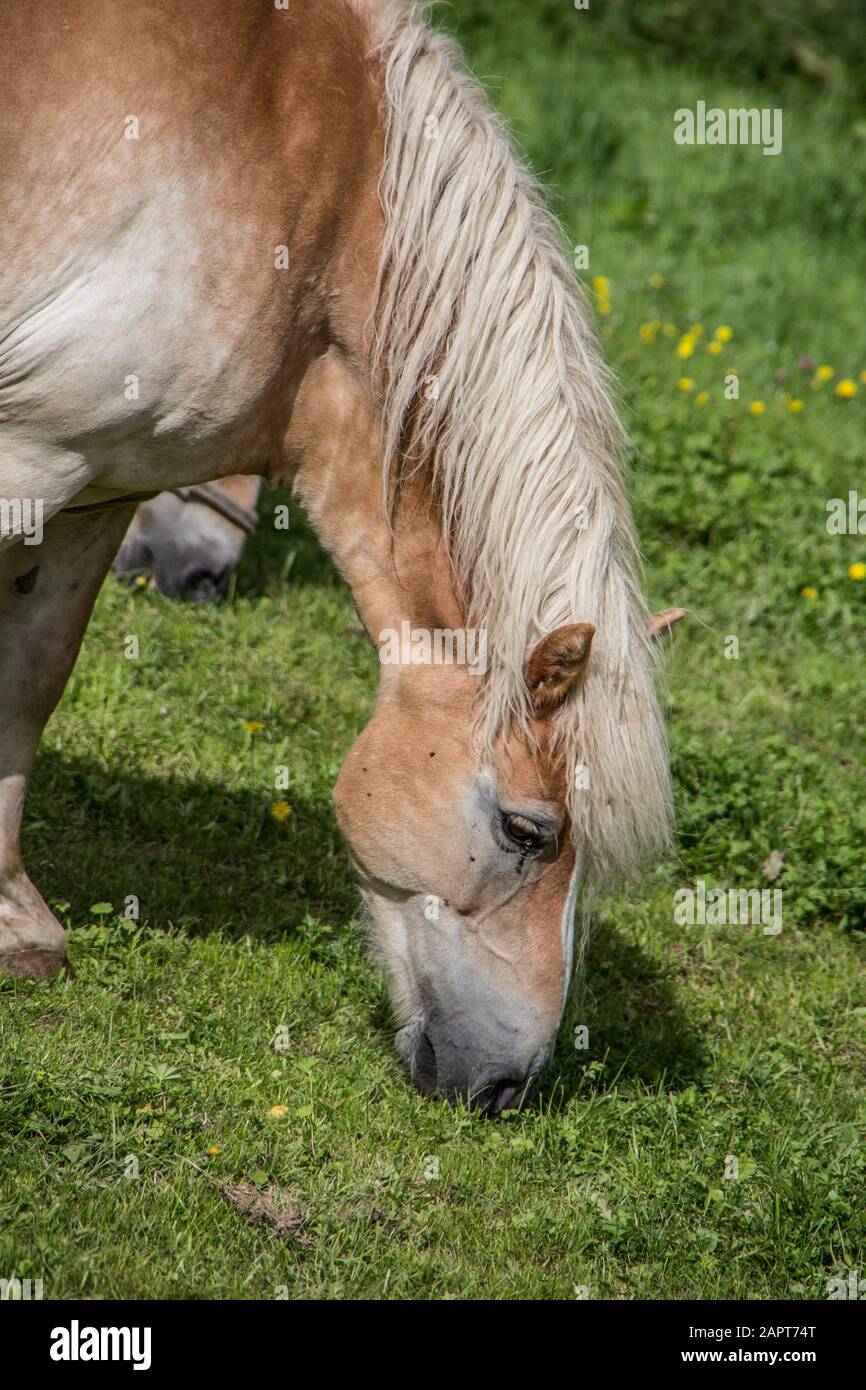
34, 964
32, 941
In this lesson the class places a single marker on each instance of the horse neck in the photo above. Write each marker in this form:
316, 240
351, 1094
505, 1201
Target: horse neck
393, 558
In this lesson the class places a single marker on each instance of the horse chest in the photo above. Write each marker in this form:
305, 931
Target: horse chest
157, 354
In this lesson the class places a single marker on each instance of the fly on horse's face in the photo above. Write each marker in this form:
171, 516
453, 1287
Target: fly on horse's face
468, 868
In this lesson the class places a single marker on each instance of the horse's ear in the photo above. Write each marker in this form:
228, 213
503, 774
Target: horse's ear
557, 665
660, 623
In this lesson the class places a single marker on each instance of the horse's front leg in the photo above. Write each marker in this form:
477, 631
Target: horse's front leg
46, 596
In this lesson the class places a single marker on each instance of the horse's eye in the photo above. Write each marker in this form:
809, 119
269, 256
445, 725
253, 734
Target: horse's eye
523, 833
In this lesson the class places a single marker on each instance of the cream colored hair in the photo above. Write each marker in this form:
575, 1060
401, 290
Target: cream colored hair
517, 428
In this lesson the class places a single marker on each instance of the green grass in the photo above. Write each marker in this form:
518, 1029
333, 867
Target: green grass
704, 1041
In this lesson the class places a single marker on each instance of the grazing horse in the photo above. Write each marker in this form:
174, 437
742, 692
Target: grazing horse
296, 241
190, 539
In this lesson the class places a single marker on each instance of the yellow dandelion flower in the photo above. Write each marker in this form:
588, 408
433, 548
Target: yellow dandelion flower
702, 397
846, 389
685, 383
140, 581
278, 1112
685, 346
795, 405
280, 810
757, 407
605, 307
656, 281
808, 592
253, 726
647, 333
213, 1150
857, 571
601, 285
714, 347
724, 333
824, 373
697, 330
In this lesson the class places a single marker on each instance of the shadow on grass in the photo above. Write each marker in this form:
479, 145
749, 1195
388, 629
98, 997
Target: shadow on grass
638, 1032
199, 857
203, 858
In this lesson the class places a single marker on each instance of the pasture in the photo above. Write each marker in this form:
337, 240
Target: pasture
212, 1108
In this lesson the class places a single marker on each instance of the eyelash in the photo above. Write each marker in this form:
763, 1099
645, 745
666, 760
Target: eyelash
521, 843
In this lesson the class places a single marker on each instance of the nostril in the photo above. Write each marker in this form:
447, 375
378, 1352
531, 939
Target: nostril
424, 1071
200, 586
502, 1095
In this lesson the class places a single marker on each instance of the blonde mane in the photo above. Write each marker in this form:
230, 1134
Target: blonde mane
492, 378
